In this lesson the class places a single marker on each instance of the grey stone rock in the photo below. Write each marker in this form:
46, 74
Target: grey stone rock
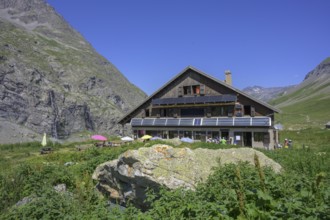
68, 164
24, 201
60, 188
128, 177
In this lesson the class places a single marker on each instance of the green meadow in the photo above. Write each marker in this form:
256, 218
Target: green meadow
301, 191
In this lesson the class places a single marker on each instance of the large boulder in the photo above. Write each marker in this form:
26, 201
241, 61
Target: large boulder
128, 177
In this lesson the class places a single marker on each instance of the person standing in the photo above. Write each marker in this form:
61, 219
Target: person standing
223, 141
286, 143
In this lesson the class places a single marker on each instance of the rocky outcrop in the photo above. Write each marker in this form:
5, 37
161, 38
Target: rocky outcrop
51, 79
128, 177
320, 71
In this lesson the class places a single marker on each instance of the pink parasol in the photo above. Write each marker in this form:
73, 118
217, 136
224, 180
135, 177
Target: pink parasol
99, 137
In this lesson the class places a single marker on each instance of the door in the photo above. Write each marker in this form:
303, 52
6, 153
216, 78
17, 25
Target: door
247, 138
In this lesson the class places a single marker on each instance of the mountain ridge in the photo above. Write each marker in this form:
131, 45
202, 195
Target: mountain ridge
307, 104
52, 80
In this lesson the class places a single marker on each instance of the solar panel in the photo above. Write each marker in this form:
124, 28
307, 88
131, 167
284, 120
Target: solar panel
148, 121
170, 101
186, 121
179, 100
172, 122
229, 98
136, 121
160, 122
264, 121
242, 121
195, 99
225, 122
209, 122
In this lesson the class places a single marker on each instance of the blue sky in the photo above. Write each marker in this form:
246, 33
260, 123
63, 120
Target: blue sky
263, 42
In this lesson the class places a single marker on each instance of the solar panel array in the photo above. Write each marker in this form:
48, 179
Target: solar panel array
196, 99
210, 121
200, 122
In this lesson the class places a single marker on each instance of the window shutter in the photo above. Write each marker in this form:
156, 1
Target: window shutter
180, 91
202, 89
253, 112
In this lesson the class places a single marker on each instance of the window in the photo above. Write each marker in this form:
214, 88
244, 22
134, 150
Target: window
147, 112
163, 112
247, 110
196, 90
220, 110
187, 90
193, 90
229, 110
200, 135
170, 112
259, 136
216, 111
192, 112
214, 134
187, 134
173, 134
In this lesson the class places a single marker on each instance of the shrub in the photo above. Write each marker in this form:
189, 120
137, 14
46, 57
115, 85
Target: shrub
238, 191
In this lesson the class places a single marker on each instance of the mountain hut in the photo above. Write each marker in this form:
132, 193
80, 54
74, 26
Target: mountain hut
201, 107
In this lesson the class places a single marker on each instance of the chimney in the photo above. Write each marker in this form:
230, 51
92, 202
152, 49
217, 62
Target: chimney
228, 77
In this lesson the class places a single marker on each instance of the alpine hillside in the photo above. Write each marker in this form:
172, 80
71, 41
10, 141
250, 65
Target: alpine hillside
307, 104
51, 78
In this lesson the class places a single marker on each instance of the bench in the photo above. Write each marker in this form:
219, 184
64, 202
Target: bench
46, 150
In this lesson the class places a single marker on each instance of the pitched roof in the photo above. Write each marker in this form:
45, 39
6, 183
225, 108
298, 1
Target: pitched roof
207, 76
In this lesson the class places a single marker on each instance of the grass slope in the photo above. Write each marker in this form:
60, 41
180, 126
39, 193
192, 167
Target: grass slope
306, 107
313, 112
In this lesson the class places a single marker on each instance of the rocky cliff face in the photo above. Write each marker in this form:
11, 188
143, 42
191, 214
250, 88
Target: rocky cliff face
51, 79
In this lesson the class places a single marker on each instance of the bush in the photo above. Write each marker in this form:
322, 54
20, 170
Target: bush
240, 191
